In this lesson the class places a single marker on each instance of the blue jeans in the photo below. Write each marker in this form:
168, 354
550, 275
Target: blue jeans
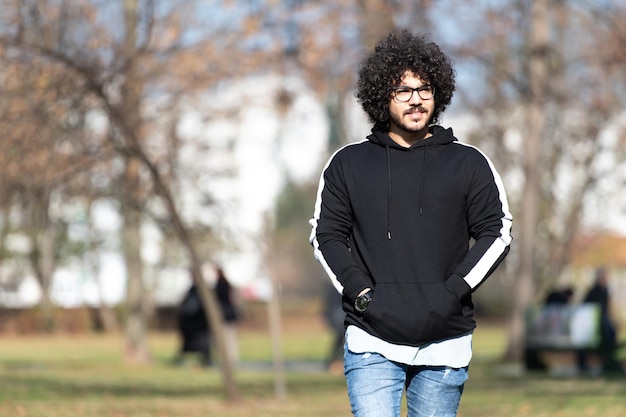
376, 385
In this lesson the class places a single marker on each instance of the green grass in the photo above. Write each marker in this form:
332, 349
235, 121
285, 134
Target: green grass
85, 376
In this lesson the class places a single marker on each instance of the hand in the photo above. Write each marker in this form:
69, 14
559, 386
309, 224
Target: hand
368, 289
363, 300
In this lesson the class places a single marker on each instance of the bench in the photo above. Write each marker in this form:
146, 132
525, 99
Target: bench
561, 328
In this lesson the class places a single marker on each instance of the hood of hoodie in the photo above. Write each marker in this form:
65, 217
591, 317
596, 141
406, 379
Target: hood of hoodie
440, 136
380, 136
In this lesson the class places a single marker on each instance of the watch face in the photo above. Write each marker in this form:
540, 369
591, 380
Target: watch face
362, 302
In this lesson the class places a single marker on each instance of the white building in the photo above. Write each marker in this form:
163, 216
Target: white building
237, 129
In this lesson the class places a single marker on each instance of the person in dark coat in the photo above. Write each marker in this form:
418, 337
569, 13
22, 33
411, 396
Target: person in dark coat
599, 294
193, 328
227, 297
334, 317
532, 357
559, 297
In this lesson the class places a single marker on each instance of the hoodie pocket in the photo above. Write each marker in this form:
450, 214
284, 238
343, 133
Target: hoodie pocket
409, 313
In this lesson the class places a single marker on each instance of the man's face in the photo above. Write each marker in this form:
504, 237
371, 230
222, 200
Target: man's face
414, 115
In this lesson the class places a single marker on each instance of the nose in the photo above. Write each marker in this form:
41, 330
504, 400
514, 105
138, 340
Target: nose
415, 98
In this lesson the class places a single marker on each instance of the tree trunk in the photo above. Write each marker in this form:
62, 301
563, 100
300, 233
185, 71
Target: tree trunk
105, 314
538, 74
377, 18
209, 301
274, 319
136, 349
42, 238
46, 271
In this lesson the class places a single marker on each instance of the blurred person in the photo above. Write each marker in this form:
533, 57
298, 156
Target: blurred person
600, 295
229, 305
393, 221
193, 328
559, 297
334, 317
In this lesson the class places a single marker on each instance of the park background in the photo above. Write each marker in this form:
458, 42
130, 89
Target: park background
144, 141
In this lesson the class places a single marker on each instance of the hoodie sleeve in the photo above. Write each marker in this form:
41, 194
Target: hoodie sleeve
489, 223
331, 229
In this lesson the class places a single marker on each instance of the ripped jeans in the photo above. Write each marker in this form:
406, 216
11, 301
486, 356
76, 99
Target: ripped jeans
376, 385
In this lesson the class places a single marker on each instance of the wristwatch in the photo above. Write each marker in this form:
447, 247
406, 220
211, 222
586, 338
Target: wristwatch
362, 301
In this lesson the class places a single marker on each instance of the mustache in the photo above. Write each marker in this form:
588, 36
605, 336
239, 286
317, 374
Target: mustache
415, 108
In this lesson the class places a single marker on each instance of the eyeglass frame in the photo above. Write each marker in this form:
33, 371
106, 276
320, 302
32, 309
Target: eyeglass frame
419, 89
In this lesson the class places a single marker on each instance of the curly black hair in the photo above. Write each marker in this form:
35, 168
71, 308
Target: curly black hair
383, 69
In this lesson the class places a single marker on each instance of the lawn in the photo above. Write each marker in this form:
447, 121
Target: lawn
84, 375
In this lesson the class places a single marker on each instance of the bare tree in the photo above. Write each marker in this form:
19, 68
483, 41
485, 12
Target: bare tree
44, 160
546, 138
120, 75
534, 105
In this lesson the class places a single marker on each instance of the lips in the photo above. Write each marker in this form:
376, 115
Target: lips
415, 114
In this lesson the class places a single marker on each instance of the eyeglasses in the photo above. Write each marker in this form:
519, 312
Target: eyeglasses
404, 94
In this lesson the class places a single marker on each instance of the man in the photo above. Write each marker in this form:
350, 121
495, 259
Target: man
599, 294
392, 226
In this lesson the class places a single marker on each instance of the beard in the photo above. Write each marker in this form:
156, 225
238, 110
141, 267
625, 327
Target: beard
399, 122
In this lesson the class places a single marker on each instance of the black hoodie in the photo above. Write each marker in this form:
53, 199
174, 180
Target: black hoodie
400, 220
